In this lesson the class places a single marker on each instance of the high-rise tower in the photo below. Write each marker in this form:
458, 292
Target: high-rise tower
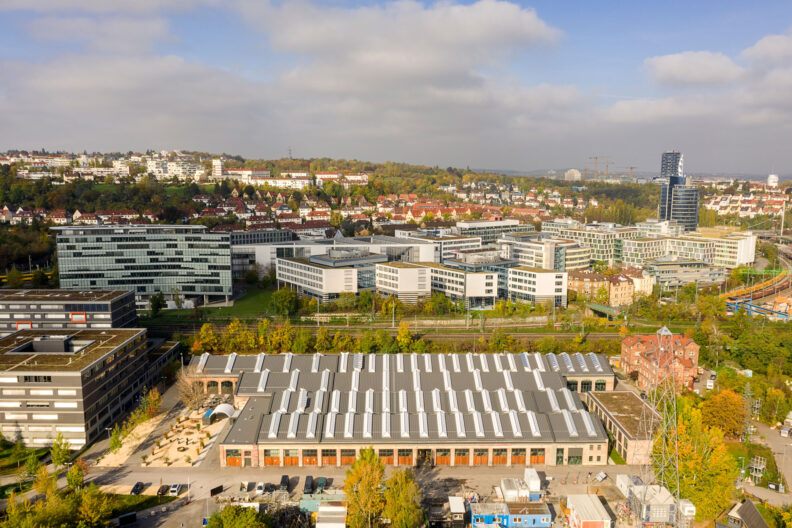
679, 199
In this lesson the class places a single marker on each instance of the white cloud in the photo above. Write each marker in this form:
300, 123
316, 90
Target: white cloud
112, 34
771, 49
102, 6
691, 68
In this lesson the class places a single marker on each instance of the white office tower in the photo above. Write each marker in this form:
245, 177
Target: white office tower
772, 180
217, 168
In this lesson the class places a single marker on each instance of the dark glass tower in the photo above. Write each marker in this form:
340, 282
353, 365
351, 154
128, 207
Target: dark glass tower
678, 200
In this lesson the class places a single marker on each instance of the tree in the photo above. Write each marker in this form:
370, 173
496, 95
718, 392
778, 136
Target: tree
363, 488
706, 470
14, 278
32, 465
44, 482
191, 393
403, 500
404, 337
324, 342
59, 451
75, 477
38, 279
115, 439
725, 410
95, 507
237, 517
157, 303
18, 452
150, 402
285, 301
207, 341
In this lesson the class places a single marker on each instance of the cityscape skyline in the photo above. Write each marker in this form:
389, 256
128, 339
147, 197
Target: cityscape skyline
488, 84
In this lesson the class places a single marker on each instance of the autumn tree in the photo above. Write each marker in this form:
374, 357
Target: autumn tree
59, 451
44, 482
725, 410
238, 337
32, 465
237, 517
403, 500
191, 393
207, 341
324, 342
95, 507
75, 477
363, 488
404, 337
14, 278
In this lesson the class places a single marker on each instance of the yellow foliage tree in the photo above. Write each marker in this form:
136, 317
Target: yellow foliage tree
725, 410
363, 488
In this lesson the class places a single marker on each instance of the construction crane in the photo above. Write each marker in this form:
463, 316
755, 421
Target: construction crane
596, 164
630, 168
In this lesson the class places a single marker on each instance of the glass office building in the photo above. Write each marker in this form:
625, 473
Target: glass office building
678, 200
146, 259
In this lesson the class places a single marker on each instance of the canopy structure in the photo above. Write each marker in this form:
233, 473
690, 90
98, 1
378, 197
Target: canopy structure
222, 409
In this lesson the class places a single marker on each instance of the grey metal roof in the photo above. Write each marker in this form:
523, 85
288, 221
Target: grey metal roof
405, 398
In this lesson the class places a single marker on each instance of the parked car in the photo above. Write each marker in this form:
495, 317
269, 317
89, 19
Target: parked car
269, 487
284, 483
710, 384
174, 490
259, 488
137, 488
321, 483
308, 486
163, 490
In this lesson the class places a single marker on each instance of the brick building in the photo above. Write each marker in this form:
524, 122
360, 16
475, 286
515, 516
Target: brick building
650, 358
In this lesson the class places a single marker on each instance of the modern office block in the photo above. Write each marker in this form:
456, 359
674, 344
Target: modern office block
147, 259
26, 309
491, 230
538, 285
545, 251
404, 280
679, 199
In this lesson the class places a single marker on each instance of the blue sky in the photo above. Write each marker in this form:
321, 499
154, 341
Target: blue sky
497, 84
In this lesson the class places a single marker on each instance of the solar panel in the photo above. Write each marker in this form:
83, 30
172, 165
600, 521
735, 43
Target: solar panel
202, 362
502, 400
447, 380
352, 401
417, 379
534, 424
551, 358
294, 419
419, 401
469, 360
342, 361
285, 398
404, 422
230, 362
259, 363
302, 401
386, 431
484, 363
370, 400
357, 362
310, 430
262, 384
525, 363
478, 425
570, 401
497, 427
553, 400
436, 402
460, 424
274, 424
452, 401
349, 424
402, 401
428, 362
423, 425
399, 362
335, 400
515, 423
581, 362
330, 425
518, 395
485, 401
325, 380
295, 377
441, 362
507, 379
497, 360
442, 431
512, 364
355, 385
469, 400
368, 418
287, 360
455, 363
595, 361
477, 380
538, 379
569, 423
315, 362
589, 423
539, 363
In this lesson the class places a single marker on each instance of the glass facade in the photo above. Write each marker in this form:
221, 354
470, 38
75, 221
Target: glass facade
186, 260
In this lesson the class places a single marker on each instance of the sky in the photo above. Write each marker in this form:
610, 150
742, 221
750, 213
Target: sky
484, 84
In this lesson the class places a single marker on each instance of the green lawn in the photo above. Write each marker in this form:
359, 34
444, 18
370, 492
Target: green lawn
122, 504
5, 491
739, 450
8, 466
255, 302
616, 457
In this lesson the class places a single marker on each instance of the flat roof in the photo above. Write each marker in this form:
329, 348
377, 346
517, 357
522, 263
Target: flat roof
61, 295
397, 264
588, 507
537, 270
625, 407
90, 346
445, 398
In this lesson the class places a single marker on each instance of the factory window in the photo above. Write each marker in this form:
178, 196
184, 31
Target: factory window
560, 456
599, 385
572, 385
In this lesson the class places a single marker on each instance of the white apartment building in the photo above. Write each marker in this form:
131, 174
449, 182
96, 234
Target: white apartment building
604, 240
554, 227
637, 251
691, 248
537, 251
322, 282
537, 285
477, 289
732, 248
408, 282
